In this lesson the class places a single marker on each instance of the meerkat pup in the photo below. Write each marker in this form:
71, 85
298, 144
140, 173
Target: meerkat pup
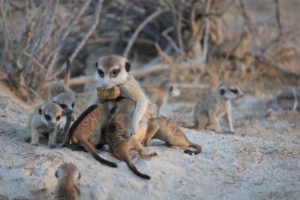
45, 119
86, 131
120, 146
67, 102
67, 188
166, 130
114, 71
211, 108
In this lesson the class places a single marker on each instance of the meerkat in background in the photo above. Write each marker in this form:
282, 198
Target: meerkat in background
166, 130
120, 146
86, 131
67, 188
113, 71
45, 119
211, 108
160, 95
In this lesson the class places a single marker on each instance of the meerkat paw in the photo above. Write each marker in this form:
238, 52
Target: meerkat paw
129, 132
148, 155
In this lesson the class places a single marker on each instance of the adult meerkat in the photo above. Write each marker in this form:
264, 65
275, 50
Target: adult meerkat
67, 188
211, 108
160, 95
120, 146
113, 71
45, 119
86, 131
166, 130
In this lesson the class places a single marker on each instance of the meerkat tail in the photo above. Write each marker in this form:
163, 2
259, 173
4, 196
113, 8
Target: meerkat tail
197, 148
132, 167
68, 73
92, 150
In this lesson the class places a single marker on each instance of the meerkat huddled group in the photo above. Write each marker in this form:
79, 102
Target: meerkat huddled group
122, 114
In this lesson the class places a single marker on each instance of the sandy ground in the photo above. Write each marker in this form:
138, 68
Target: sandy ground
260, 161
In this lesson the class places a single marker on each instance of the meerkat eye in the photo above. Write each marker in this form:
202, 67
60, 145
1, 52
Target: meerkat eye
101, 73
63, 106
57, 118
73, 104
222, 91
47, 117
115, 72
234, 91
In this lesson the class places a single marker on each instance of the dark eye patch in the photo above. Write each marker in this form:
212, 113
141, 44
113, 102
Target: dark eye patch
63, 106
58, 118
222, 91
234, 91
73, 104
115, 72
47, 117
101, 73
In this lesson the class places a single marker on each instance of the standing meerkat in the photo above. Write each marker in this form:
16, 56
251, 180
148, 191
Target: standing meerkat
113, 71
160, 95
67, 102
67, 188
120, 146
86, 131
212, 107
45, 119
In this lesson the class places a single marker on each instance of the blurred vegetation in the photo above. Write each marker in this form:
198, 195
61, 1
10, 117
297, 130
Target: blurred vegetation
193, 43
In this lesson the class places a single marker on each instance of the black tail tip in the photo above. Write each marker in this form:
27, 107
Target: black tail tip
114, 165
190, 152
146, 177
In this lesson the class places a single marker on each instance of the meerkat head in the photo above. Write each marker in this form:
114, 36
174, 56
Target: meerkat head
174, 90
111, 71
50, 114
67, 170
66, 101
230, 91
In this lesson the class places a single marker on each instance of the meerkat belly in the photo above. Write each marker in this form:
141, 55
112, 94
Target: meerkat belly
222, 109
44, 129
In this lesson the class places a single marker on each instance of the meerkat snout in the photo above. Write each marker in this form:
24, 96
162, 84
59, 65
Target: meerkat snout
230, 91
111, 71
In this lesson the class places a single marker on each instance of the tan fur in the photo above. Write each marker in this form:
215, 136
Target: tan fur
86, 131
166, 130
120, 146
129, 87
156, 95
67, 188
37, 123
211, 107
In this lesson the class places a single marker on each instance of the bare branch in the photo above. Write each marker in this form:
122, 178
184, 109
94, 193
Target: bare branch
140, 28
85, 38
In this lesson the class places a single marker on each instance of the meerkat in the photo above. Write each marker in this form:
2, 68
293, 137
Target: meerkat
166, 130
212, 107
45, 119
67, 188
114, 71
160, 95
67, 102
121, 147
86, 131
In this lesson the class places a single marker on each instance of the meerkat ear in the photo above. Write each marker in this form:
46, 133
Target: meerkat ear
127, 66
96, 65
57, 174
222, 91
40, 111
